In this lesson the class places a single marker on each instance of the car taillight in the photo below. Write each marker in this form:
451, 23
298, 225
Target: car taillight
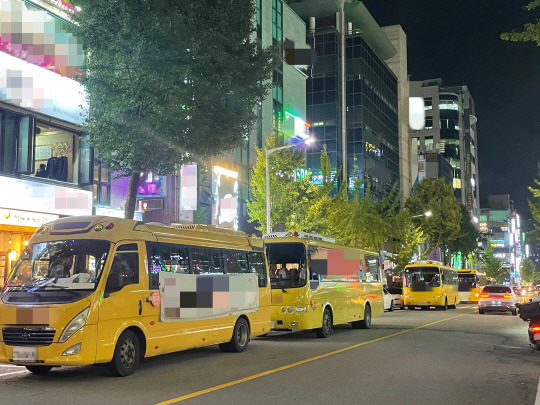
507, 296
484, 295
535, 328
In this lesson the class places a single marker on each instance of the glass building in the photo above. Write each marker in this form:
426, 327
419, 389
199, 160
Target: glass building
351, 96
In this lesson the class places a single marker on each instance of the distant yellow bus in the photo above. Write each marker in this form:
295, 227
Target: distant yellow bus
317, 284
490, 280
470, 284
106, 290
430, 283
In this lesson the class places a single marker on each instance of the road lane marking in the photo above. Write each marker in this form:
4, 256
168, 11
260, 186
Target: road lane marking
298, 363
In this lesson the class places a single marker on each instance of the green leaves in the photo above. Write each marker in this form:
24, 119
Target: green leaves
530, 32
170, 81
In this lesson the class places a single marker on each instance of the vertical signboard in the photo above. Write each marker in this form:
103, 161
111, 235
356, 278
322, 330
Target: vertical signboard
189, 187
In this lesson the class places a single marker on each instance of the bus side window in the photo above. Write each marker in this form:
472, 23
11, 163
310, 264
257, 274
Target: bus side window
199, 260
241, 258
256, 265
216, 264
231, 263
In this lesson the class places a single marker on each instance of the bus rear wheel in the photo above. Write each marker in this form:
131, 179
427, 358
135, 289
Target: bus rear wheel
445, 306
366, 322
326, 328
126, 355
239, 340
39, 369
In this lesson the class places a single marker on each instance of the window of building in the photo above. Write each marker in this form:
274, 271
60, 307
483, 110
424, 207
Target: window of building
429, 123
277, 20
102, 182
428, 103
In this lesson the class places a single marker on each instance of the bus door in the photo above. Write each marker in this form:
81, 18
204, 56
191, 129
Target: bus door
123, 299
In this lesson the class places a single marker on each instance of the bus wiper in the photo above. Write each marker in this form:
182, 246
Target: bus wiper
63, 288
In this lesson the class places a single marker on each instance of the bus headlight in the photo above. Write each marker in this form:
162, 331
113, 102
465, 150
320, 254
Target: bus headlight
301, 309
290, 310
74, 325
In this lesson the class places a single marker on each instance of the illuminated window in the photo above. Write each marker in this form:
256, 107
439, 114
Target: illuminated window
428, 103
457, 183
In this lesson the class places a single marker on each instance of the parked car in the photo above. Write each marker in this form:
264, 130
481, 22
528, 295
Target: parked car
397, 296
388, 301
497, 298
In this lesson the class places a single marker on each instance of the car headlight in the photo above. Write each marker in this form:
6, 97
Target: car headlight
74, 325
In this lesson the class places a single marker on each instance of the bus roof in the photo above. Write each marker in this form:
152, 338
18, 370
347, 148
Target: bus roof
312, 242
470, 271
117, 229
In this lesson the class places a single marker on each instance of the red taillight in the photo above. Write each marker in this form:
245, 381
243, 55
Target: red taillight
507, 296
484, 295
535, 328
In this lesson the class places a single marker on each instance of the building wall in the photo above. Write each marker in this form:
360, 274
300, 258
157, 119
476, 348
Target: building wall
398, 64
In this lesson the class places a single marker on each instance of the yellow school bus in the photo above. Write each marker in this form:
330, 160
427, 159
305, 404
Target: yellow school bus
470, 285
97, 289
430, 283
317, 284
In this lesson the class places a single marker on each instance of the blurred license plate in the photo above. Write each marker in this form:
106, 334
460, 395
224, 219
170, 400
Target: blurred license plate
495, 302
24, 353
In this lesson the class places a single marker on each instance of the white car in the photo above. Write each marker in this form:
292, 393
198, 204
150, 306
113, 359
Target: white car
397, 295
497, 298
388, 300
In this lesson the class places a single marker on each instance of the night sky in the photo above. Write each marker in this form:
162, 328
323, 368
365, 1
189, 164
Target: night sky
459, 42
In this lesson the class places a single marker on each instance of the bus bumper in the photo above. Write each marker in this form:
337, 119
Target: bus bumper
293, 318
55, 354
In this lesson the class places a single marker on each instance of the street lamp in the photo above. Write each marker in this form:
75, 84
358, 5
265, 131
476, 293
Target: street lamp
268, 153
425, 214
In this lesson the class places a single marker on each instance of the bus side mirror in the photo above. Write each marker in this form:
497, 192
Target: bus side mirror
312, 250
114, 283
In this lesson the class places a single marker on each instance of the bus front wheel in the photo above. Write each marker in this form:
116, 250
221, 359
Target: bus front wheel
326, 328
366, 322
126, 355
239, 340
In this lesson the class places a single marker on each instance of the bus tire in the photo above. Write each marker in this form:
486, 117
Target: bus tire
453, 306
39, 369
366, 322
445, 306
411, 307
239, 340
326, 327
126, 354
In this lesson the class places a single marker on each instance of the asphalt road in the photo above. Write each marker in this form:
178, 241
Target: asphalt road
408, 357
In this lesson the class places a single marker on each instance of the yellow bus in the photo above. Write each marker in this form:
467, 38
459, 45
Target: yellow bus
490, 280
430, 283
470, 284
317, 284
97, 289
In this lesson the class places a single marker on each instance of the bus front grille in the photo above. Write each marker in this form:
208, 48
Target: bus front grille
28, 336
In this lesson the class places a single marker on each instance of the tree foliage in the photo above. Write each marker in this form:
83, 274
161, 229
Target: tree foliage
493, 266
287, 196
534, 206
528, 271
406, 239
530, 32
443, 226
169, 81
468, 237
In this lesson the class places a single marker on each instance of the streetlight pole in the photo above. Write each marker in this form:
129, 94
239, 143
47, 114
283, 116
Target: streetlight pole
268, 153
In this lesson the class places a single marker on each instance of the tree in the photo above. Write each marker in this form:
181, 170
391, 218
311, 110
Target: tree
531, 31
467, 240
444, 225
492, 265
286, 193
534, 206
528, 271
406, 238
169, 81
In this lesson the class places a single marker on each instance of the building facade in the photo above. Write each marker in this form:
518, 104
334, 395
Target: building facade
351, 95
501, 223
46, 164
450, 129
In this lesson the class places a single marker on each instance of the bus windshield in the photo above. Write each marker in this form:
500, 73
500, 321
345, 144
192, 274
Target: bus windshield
287, 265
422, 278
57, 266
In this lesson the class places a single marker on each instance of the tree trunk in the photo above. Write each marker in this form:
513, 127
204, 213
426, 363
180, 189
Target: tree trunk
131, 198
